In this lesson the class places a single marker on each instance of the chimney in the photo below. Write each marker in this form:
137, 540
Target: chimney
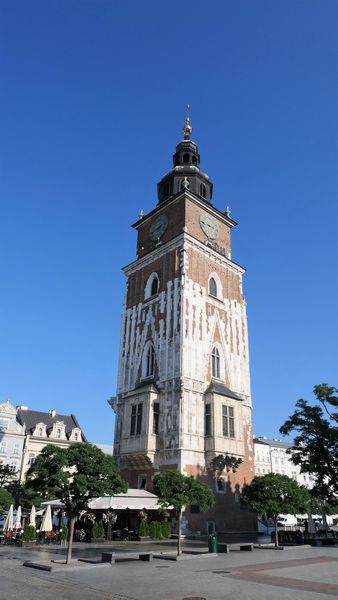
52, 412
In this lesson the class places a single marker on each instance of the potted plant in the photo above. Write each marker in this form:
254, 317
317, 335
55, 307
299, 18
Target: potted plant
143, 531
28, 537
63, 534
98, 533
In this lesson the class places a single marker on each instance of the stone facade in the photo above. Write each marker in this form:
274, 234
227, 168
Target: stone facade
183, 392
24, 433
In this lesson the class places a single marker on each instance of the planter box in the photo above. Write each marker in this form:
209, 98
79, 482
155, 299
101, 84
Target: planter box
26, 544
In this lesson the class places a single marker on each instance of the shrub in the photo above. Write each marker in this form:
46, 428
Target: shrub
158, 530
98, 530
29, 534
165, 530
64, 533
152, 529
144, 529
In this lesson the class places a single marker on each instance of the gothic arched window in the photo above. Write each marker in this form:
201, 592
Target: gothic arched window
215, 363
212, 287
154, 286
150, 361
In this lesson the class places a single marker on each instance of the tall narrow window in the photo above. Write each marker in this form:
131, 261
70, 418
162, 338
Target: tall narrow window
133, 420
185, 158
212, 287
31, 458
208, 419
156, 417
58, 434
139, 419
136, 419
203, 190
228, 421
215, 363
150, 359
154, 286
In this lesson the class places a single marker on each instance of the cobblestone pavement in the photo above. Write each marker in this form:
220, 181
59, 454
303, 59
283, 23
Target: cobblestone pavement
295, 573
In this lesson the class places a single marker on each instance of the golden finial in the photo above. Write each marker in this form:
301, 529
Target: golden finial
187, 129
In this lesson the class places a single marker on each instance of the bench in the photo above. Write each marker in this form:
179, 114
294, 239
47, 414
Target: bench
225, 548
112, 557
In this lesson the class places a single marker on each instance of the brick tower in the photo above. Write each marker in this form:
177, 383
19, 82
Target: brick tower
183, 392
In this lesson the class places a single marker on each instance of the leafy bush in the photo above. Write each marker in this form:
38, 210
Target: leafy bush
29, 534
64, 533
144, 529
98, 530
158, 530
165, 530
152, 529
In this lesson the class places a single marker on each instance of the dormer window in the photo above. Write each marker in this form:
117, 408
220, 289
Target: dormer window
58, 434
203, 190
166, 190
40, 432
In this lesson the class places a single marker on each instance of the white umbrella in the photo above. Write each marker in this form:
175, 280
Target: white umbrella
32, 516
47, 524
8, 526
17, 524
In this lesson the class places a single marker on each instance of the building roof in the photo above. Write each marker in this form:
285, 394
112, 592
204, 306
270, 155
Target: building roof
30, 418
272, 442
222, 390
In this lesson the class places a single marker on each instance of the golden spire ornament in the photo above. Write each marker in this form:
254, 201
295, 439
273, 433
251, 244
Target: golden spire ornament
187, 129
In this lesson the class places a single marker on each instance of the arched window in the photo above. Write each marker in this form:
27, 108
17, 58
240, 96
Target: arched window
40, 432
58, 434
185, 158
194, 160
212, 287
150, 361
154, 286
215, 363
203, 190
166, 190
76, 436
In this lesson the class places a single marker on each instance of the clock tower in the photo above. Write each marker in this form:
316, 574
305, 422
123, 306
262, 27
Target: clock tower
183, 393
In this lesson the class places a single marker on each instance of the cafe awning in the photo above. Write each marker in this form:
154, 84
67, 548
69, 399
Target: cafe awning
134, 500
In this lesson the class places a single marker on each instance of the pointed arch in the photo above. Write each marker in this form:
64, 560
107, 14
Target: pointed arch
152, 286
148, 360
215, 286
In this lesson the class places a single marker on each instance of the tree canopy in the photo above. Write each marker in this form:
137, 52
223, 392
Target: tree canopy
275, 494
315, 447
6, 499
7, 474
178, 490
74, 475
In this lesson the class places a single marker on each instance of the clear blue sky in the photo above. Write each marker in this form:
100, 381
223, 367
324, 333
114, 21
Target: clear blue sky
92, 100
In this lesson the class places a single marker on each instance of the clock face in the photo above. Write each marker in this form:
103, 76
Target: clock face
209, 226
158, 227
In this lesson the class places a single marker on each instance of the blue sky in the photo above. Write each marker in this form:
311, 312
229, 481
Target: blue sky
92, 100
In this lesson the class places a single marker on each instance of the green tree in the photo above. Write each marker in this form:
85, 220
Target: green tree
315, 447
274, 494
7, 474
23, 496
6, 499
177, 490
74, 475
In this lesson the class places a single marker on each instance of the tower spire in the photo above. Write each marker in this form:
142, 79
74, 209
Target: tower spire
187, 129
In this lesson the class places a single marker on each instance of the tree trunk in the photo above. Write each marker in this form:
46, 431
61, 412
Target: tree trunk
70, 540
276, 532
179, 540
